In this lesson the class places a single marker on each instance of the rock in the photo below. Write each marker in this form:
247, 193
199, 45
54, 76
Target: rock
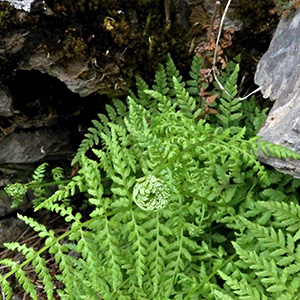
20, 4
77, 74
6, 108
6, 202
278, 76
278, 71
11, 229
29, 147
14, 42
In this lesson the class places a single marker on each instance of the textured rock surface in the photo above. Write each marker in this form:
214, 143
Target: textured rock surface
11, 229
6, 108
278, 70
279, 76
29, 147
77, 74
5, 205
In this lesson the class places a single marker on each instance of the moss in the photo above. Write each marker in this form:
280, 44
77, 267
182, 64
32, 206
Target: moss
7, 16
84, 5
74, 47
284, 5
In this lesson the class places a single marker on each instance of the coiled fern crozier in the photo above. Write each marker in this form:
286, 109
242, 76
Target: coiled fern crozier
181, 207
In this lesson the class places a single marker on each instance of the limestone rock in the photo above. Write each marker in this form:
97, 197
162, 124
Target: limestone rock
11, 229
29, 147
278, 70
278, 75
77, 74
6, 108
6, 202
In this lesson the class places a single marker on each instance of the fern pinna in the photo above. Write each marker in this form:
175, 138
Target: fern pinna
169, 192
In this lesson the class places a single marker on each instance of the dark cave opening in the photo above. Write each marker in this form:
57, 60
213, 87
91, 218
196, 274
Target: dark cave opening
37, 96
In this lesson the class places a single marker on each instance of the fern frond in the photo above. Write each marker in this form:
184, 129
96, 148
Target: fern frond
279, 151
38, 262
287, 215
139, 248
58, 174
39, 228
163, 103
252, 116
141, 85
157, 253
231, 83
39, 191
39, 173
178, 257
171, 72
75, 185
5, 287
120, 107
23, 280
194, 83
266, 270
228, 110
90, 140
222, 296
242, 288
186, 103
92, 178
111, 251
161, 84
276, 242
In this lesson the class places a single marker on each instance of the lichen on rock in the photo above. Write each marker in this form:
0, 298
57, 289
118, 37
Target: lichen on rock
20, 4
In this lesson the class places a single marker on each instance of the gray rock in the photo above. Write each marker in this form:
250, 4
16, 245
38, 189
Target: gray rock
6, 202
77, 74
14, 42
29, 147
11, 229
279, 77
6, 108
278, 71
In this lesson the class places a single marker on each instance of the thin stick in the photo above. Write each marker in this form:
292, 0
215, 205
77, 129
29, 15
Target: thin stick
212, 23
250, 94
215, 58
210, 30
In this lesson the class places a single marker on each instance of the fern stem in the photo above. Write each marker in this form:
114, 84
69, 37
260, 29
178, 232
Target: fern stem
38, 184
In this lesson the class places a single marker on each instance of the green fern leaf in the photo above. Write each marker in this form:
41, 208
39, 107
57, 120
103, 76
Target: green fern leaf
23, 280
277, 150
186, 103
286, 215
6, 288
194, 84
39, 264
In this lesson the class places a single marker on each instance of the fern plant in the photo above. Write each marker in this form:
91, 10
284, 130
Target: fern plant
170, 191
